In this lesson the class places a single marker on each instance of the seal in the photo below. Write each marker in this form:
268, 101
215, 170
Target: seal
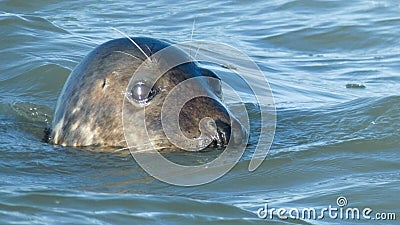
89, 109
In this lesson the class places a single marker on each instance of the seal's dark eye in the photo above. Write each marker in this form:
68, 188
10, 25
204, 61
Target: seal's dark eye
142, 93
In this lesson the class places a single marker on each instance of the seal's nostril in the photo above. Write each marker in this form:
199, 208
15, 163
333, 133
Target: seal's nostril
224, 131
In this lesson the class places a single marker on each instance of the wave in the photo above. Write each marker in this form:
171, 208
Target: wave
372, 121
77, 207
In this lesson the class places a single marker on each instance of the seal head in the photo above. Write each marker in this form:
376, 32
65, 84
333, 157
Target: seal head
106, 84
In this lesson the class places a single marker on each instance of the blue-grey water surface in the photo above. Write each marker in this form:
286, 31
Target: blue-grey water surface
330, 140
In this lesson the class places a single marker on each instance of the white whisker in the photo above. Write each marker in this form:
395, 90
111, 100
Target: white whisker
150, 148
130, 39
121, 149
197, 51
128, 54
148, 48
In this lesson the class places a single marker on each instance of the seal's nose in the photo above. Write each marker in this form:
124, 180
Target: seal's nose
207, 119
234, 132
223, 132
226, 132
